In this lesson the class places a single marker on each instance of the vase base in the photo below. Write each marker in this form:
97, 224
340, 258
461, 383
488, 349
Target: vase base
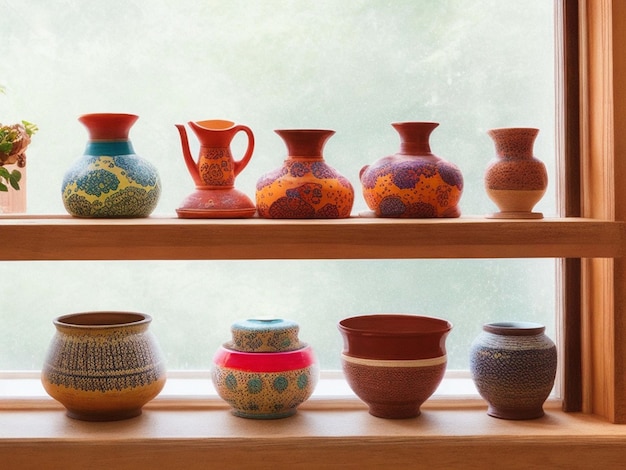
103, 416
516, 414
261, 416
215, 213
395, 410
216, 203
515, 215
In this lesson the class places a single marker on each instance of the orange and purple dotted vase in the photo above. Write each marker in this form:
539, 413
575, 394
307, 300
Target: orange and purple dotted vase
305, 186
413, 183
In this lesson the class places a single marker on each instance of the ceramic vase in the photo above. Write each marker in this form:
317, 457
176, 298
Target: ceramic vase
110, 179
514, 366
413, 182
515, 180
103, 366
265, 371
392, 362
215, 170
305, 186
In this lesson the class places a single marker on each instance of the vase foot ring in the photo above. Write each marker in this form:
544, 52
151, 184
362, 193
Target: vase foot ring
216, 213
261, 416
515, 215
516, 414
394, 411
109, 416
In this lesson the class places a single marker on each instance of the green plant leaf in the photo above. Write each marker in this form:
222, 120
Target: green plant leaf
30, 127
14, 179
16, 174
4, 173
6, 147
3, 187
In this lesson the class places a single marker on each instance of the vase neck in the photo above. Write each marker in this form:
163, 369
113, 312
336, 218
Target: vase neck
514, 328
110, 148
514, 142
108, 126
415, 137
305, 143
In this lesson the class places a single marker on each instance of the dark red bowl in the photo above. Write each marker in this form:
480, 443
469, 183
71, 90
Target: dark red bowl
394, 336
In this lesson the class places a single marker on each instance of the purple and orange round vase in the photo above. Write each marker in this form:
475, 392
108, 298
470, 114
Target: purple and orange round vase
414, 182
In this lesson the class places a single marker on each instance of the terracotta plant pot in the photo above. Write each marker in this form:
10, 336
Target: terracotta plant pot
266, 372
394, 363
513, 366
103, 366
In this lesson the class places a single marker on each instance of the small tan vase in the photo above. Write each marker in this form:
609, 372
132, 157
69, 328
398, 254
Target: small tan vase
515, 180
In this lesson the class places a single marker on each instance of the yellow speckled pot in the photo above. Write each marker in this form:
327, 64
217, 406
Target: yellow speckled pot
110, 179
265, 372
103, 366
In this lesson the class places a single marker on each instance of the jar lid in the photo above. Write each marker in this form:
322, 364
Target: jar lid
261, 335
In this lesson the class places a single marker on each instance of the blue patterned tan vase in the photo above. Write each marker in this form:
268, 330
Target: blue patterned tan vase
265, 372
103, 366
513, 365
110, 179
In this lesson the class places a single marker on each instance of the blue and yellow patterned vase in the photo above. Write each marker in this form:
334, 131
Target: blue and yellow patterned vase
265, 372
110, 180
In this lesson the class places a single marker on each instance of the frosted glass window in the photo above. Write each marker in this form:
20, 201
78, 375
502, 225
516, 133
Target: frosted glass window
351, 66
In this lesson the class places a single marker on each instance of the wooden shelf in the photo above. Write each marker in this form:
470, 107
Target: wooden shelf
161, 238
316, 437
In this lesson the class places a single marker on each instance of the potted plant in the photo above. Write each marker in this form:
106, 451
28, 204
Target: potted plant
14, 138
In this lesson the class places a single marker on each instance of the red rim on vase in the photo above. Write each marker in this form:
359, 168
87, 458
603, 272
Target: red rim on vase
108, 126
264, 361
393, 336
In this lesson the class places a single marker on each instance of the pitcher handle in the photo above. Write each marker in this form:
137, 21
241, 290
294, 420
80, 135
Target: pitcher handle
241, 164
192, 166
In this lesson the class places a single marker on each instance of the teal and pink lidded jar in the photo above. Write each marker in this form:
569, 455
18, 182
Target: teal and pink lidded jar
265, 371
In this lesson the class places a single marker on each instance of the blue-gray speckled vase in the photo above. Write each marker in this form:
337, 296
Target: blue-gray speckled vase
513, 365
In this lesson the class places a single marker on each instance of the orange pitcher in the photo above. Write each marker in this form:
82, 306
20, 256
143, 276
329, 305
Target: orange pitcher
215, 170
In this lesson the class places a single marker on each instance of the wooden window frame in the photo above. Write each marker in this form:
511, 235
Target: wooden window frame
453, 435
602, 166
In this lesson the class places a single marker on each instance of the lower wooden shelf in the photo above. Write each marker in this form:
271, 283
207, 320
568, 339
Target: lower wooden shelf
320, 435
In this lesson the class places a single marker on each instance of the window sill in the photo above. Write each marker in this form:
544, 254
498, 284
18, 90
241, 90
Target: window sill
448, 434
